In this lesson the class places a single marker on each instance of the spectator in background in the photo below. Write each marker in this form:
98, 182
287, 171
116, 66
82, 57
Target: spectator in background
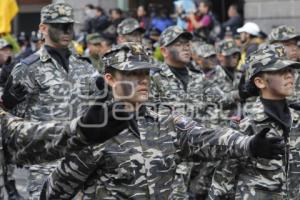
100, 22
162, 20
183, 8
25, 46
235, 20
249, 34
205, 27
142, 16
89, 12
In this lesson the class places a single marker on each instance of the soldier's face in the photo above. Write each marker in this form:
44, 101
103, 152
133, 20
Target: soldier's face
292, 49
5, 53
210, 62
277, 84
229, 61
94, 49
130, 86
61, 33
180, 50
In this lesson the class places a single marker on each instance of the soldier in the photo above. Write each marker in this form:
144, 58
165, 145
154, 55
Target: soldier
58, 83
28, 142
5, 58
93, 45
288, 37
140, 162
129, 30
273, 76
205, 59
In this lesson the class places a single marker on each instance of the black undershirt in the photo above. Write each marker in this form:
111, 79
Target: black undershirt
60, 55
279, 111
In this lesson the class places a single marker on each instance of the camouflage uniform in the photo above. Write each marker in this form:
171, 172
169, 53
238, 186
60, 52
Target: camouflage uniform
53, 93
281, 34
96, 60
260, 178
3, 44
141, 162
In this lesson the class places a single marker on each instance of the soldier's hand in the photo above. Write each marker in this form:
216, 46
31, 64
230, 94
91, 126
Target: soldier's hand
264, 147
104, 121
13, 94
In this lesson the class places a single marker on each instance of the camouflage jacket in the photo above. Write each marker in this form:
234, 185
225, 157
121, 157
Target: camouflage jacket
203, 98
54, 93
140, 162
260, 178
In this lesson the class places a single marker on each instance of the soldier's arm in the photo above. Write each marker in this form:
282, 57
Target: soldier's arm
198, 143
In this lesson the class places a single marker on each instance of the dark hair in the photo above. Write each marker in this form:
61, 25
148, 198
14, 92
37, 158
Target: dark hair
117, 10
110, 70
100, 9
90, 6
207, 3
107, 41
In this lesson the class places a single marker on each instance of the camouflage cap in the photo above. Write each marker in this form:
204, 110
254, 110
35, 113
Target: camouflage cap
94, 38
128, 57
283, 33
129, 25
57, 13
227, 47
205, 50
171, 33
268, 58
4, 43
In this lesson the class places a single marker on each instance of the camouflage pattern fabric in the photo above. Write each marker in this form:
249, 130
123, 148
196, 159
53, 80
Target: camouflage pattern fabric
128, 56
260, 178
93, 38
283, 33
57, 13
170, 34
267, 59
53, 94
128, 26
205, 50
140, 162
227, 47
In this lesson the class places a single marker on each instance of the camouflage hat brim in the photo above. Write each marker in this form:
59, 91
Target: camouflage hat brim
208, 55
130, 66
61, 21
95, 41
288, 37
186, 35
230, 52
281, 64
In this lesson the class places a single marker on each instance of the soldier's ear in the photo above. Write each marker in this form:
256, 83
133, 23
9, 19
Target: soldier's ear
260, 82
109, 79
164, 51
43, 28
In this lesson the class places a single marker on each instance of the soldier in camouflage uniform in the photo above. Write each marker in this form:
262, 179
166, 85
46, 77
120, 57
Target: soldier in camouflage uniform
141, 161
288, 37
129, 30
59, 84
30, 142
94, 47
273, 75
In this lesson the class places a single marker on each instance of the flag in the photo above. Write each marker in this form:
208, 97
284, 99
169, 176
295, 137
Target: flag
8, 10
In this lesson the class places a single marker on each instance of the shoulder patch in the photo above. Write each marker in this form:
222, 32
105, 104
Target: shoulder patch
30, 59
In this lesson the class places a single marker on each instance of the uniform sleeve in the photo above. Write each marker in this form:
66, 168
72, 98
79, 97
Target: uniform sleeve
29, 142
70, 176
197, 143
